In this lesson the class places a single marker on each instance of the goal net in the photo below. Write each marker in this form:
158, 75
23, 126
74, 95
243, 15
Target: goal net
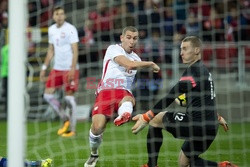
223, 26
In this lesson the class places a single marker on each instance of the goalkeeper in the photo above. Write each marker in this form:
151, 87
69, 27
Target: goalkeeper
198, 126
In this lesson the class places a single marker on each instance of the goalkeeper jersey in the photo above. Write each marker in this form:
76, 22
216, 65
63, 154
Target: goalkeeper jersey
197, 83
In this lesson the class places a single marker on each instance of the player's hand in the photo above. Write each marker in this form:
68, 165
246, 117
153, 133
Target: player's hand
42, 76
71, 75
156, 68
140, 123
223, 122
142, 120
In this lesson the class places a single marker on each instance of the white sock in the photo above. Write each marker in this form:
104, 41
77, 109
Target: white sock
94, 142
55, 104
125, 107
72, 105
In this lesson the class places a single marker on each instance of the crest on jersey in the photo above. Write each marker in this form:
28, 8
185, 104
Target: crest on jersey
62, 34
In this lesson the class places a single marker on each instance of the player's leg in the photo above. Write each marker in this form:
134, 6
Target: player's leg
55, 80
154, 139
125, 110
104, 107
190, 155
95, 138
70, 88
191, 150
183, 160
71, 104
54, 103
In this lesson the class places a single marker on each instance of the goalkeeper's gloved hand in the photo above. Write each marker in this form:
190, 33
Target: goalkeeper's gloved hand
222, 122
142, 120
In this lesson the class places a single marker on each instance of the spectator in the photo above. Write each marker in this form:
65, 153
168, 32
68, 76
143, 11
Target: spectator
215, 24
245, 19
88, 38
123, 18
4, 21
232, 25
102, 21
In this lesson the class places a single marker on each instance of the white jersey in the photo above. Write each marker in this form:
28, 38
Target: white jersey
115, 76
62, 38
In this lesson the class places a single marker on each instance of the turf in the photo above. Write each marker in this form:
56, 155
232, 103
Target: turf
121, 148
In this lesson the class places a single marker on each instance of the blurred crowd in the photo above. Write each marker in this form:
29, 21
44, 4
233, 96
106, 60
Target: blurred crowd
161, 24
212, 20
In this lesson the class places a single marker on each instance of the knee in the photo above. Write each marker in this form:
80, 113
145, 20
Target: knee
127, 98
47, 97
97, 128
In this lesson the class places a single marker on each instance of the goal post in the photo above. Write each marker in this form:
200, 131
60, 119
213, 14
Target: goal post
17, 80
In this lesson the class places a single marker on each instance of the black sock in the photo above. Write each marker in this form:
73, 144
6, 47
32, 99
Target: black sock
199, 162
154, 142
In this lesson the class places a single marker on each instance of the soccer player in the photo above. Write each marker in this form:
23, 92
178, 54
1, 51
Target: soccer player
39, 163
114, 90
198, 125
63, 46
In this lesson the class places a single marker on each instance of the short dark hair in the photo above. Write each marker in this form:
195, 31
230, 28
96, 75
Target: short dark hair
195, 41
58, 8
129, 28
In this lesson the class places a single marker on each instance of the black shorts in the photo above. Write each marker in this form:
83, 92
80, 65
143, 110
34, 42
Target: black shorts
198, 137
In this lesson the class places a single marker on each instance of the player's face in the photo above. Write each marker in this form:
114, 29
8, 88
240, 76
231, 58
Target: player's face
59, 17
188, 53
129, 41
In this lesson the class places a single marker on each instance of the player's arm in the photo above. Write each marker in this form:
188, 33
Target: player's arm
142, 120
75, 55
132, 65
74, 47
49, 56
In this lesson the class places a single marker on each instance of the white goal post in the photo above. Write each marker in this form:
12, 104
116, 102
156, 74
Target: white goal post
17, 80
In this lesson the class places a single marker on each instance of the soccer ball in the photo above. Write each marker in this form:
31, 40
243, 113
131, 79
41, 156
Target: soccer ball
46, 163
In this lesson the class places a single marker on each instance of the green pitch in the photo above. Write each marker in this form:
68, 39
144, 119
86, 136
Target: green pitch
121, 148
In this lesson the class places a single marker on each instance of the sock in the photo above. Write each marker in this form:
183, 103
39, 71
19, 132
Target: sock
125, 107
3, 162
197, 162
154, 142
94, 142
55, 104
72, 105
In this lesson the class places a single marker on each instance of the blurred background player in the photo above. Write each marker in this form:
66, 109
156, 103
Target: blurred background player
63, 46
198, 126
114, 90
4, 74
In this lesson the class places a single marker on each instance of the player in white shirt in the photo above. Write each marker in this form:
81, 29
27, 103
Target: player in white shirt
114, 91
63, 47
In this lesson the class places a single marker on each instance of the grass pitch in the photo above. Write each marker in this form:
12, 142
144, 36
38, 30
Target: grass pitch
121, 148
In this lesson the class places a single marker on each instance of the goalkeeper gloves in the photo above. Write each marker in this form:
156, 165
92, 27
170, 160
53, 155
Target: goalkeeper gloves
222, 122
142, 120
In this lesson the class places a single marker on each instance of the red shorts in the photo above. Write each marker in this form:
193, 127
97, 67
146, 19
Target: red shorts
58, 79
107, 101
